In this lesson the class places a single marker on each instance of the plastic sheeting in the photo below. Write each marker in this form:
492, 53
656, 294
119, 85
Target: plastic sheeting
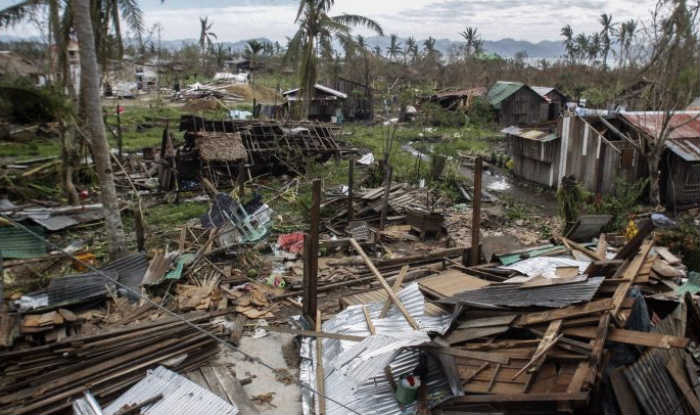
543, 266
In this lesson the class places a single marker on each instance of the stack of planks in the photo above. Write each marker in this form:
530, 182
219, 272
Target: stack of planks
44, 379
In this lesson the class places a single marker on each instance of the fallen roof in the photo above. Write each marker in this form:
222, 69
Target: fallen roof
530, 134
321, 88
469, 92
514, 295
543, 91
179, 396
221, 146
501, 90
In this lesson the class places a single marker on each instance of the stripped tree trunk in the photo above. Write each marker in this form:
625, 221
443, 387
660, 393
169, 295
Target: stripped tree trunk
93, 127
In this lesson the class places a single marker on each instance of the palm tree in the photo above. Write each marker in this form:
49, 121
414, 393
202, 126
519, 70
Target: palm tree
394, 48
568, 33
316, 27
581, 46
94, 126
606, 33
252, 50
594, 47
471, 36
429, 46
377, 51
205, 34
412, 48
625, 38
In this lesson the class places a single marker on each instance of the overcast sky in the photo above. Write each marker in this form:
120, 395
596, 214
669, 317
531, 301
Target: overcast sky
532, 20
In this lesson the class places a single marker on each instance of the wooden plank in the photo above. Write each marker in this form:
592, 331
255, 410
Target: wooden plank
311, 333
196, 377
580, 248
476, 213
602, 247
529, 319
623, 392
667, 255
522, 397
213, 381
474, 373
469, 354
320, 374
599, 341
663, 268
396, 288
493, 379
234, 390
394, 299
675, 369
368, 319
461, 336
629, 274
637, 338
488, 322
539, 354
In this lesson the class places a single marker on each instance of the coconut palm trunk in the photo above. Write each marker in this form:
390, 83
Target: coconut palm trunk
93, 127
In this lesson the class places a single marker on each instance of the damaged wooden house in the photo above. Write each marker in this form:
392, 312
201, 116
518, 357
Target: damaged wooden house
599, 148
326, 104
457, 99
223, 151
518, 104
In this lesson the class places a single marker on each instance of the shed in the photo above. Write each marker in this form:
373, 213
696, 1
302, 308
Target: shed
680, 166
517, 104
360, 102
535, 154
557, 100
325, 103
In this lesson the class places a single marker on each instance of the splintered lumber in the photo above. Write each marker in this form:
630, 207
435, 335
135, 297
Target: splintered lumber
320, 376
629, 276
602, 246
675, 369
44, 379
529, 319
667, 255
522, 397
539, 354
396, 288
382, 281
549, 339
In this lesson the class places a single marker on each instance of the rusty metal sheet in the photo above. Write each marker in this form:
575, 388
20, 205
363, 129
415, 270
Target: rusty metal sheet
686, 148
683, 124
513, 295
530, 134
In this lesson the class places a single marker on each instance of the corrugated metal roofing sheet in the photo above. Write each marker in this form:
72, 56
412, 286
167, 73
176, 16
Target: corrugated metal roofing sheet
73, 289
18, 243
512, 295
530, 134
543, 90
502, 90
684, 124
359, 382
180, 396
470, 92
130, 270
321, 88
686, 148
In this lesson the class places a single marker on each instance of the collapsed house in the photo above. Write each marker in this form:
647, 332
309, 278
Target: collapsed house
326, 103
518, 104
222, 151
598, 148
462, 99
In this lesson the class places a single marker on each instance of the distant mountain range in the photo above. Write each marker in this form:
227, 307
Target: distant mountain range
504, 47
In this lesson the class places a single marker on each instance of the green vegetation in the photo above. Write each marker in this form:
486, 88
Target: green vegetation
175, 214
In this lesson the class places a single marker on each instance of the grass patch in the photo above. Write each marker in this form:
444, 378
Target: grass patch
35, 149
175, 214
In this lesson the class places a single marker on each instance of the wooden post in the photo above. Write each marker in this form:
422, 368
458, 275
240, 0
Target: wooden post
387, 190
351, 181
476, 212
120, 140
382, 281
310, 282
241, 180
2, 285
